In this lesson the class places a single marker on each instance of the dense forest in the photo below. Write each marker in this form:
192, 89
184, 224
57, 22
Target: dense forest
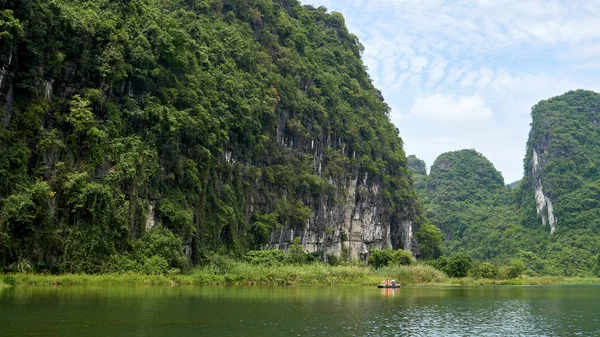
147, 132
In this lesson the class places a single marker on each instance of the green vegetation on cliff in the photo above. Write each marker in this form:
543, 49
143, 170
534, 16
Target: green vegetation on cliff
562, 181
214, 121
461, 193
549, 221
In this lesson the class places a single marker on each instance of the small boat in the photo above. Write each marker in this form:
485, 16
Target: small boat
388, 287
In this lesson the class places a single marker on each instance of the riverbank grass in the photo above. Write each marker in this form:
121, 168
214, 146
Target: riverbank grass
243, 273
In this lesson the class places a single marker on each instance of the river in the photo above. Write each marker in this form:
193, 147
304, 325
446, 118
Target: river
300, 311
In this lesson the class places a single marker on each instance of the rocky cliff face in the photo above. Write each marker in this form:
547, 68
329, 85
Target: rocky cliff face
355, 217
352, 224
543, 204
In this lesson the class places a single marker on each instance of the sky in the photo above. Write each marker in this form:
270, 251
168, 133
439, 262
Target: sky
464, 74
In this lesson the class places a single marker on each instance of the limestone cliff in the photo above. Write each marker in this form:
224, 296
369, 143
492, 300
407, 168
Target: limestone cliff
352, 224
562, 159
210, 125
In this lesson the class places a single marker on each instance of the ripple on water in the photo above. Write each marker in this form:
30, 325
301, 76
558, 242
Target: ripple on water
462, 317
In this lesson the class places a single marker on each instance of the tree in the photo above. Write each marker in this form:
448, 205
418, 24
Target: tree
459, 265
484, 270
515, 268
296, 254
386, 257
380, 258
402, 257
429, 238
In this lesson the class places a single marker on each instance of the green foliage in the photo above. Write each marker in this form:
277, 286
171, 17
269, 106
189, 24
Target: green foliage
263, 225
11, 29
484, 270
514, 184
515, 268
429, 238
161, 243
271, 257
155, 265
80, 114
294, 213
461, 188
221, 264
24, 266
176, 214
296, 254
379, 258
564, 135
402, 257
459, 265
440, 264
466, 198
416, 166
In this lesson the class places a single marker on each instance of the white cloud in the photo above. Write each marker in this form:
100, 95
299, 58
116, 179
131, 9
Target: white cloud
442, 107
437, 61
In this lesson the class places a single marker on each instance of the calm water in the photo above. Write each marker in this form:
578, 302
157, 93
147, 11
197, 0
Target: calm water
300, 311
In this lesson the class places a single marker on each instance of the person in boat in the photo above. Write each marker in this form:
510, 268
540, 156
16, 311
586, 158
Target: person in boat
383, 282
393, 283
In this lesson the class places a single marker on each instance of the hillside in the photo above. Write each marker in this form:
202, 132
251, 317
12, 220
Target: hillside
561, 192
461, 188
550, 219
145, 132
465, 197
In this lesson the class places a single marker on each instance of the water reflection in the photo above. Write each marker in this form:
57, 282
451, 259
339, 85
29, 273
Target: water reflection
300, 311
388, 292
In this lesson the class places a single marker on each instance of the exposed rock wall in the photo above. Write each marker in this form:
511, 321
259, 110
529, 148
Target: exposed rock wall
354, 221
351, 228
543, 203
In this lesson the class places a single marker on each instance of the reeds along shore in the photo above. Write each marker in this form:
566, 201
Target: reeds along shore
282, 275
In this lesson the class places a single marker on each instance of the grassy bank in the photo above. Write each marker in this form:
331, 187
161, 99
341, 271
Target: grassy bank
240, 273
523, 280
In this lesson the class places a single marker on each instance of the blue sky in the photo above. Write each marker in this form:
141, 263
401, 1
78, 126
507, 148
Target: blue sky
464, 74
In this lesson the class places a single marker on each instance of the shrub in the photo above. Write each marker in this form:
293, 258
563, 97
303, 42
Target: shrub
122, 263
484, 270
384, 257
440, 264
270, 257
380, 258
8, 280
221, 264
333, 260
402, 257
156, 265
296, 254
263, 225
515, 268
459, 265
161, 242
24, 266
